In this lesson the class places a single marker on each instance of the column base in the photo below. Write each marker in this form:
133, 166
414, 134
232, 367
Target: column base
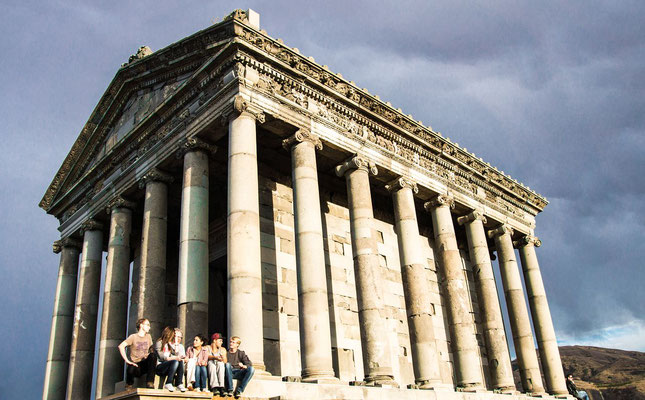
384, 381
322, 379
506, 390
426, 384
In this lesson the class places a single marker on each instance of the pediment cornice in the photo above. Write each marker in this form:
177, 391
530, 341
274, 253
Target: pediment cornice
183, 57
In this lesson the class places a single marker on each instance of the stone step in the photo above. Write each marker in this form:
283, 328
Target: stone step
273, 388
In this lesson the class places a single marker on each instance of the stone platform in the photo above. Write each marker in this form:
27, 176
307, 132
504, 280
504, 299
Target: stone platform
270, 388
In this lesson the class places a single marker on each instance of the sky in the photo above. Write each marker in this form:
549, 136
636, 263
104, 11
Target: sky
550, 92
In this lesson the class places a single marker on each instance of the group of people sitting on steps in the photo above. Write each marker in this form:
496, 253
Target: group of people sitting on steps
206, 367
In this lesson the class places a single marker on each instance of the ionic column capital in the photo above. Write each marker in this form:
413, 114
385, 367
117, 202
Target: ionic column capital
500, 230
302, 135
194, 144
473, 216
239, 105
119, 202
356, 162
155, 175
439, 201
528, 240
58, 245
401, 183
91, 225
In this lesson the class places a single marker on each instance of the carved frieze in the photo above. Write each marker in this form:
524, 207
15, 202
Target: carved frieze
432, 140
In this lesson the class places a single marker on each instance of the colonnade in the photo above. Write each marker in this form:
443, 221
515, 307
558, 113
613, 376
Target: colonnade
71, 352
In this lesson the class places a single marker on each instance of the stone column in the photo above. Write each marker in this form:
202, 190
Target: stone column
463, 341
425, 357
114, 319
499, 360
376, 351
542, 322
151, 282
243, 233
518, 314
60, 338
81, 362
313, 309
192, 292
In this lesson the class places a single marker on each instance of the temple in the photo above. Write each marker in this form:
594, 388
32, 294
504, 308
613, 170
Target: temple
227, 183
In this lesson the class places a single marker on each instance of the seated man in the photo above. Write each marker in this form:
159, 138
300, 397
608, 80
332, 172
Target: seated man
142, 360
573, 390
238, 367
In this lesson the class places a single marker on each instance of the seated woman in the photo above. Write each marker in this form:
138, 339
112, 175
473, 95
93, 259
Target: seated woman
197, 356
217, 364
170, 359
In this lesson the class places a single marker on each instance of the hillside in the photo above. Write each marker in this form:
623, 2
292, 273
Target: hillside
606, 374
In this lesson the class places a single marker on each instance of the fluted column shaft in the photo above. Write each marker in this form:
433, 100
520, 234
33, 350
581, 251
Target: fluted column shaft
151, 280
81, 363
313, 309
499, 360
518, 313
192, 291
114, 319
418, 303
463, 341
542, 322
60, 338
376, 351
243, 236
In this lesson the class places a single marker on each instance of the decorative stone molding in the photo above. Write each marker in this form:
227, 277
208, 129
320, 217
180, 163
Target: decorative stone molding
155, 175
500, 230
119, 202
528, 240
439, 201
356, 162
58, 245
400, 183
194, 144
473, 216
302, 135
91, 225
144, 51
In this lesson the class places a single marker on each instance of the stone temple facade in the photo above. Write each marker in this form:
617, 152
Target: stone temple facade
228, 183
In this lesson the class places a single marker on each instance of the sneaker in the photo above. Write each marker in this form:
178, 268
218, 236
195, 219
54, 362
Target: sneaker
169, 387
181, 387
198, 390
237, 394
229, 393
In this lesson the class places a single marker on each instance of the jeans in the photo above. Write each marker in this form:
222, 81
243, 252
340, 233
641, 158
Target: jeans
145, 366
201, 378
583, 395
172, 370
244, 375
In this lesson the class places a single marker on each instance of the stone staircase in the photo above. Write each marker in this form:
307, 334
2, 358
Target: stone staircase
273, 388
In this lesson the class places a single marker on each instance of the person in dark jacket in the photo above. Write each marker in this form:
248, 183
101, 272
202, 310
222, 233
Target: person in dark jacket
238, 367
573, 389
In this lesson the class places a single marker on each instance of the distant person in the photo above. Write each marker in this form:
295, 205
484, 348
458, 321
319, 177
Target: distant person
197, 356
170, 358
217, 364
573, 390
238, 367
142, 360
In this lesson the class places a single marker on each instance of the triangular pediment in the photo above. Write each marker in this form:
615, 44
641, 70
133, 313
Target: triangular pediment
139, 89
